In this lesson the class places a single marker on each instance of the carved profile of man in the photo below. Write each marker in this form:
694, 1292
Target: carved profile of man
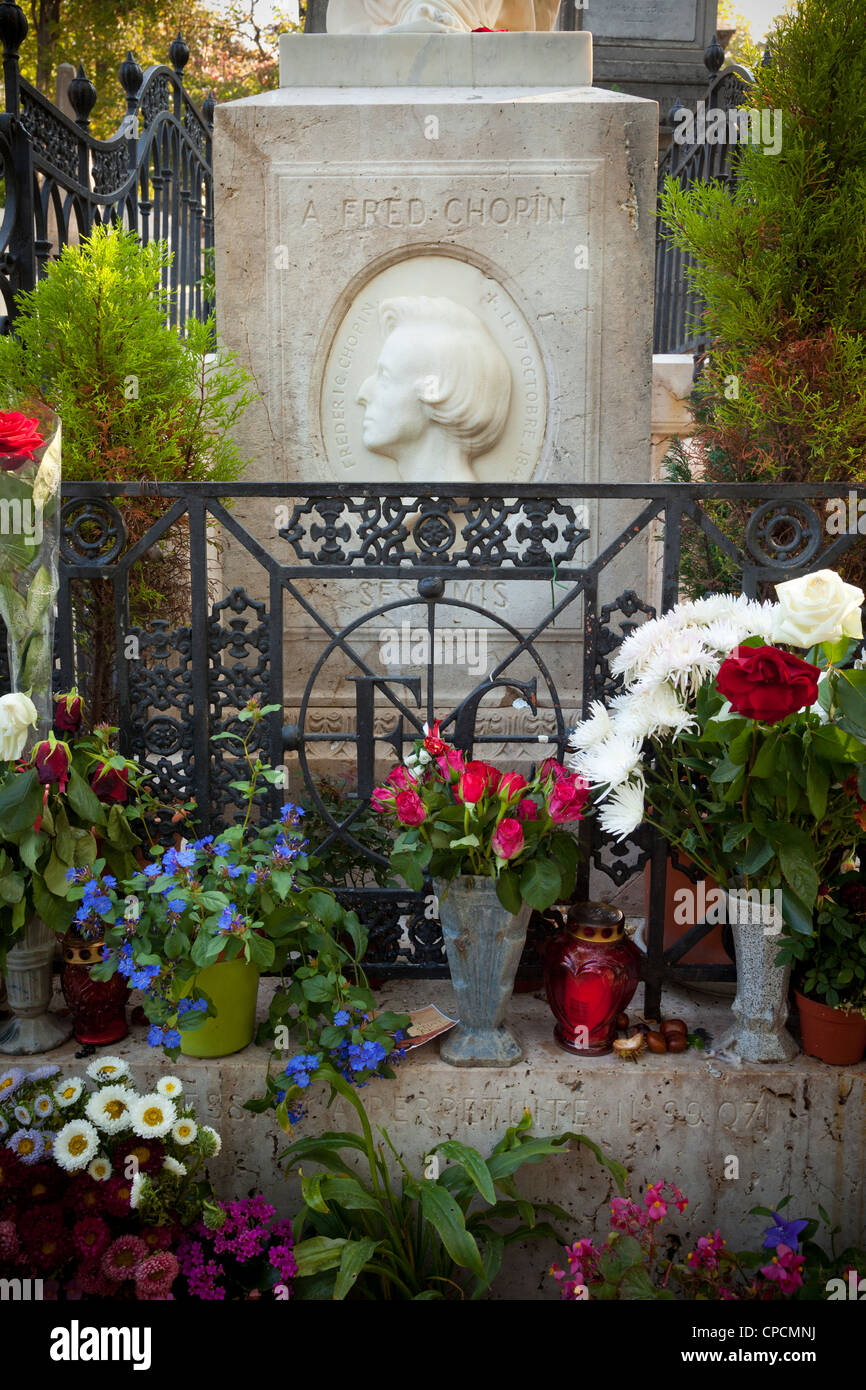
440, 393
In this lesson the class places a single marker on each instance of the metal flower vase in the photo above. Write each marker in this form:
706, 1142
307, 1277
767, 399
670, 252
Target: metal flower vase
760, 1007
29, 984
483, 943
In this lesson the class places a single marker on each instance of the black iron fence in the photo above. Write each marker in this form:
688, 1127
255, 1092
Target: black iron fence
677, 324
291, 587
58, 182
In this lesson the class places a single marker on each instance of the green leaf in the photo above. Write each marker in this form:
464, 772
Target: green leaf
469, 841
541, 883
407, 867
766, 761
261, 950
508, 891
356, 1255
443, 1213
83, 800
325, 907
473, 1163
55, 876
817, 788
20, 802
318, 1253
56, 913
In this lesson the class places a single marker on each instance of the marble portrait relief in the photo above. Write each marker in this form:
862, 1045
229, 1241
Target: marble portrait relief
438, 16
433, 387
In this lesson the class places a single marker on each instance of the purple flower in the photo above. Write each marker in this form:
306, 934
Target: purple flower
783, 1233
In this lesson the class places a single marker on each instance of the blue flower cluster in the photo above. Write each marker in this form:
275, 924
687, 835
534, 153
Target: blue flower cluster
159, 1036
141, 976
185, 1006
357, 1063
284, 852
231, 920
291, 815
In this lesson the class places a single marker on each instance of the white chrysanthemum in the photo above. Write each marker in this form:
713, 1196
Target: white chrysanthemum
68, 1091
43, 1106
723, 636
623, 811
684, 662
213, 1137
110, 1108
608, 763
75, 1145
652, 712
100, 1168
630, 658
152, 1116
105, 1069
184, 1131
173, 1165
169, 1086
135, 1190
593, 729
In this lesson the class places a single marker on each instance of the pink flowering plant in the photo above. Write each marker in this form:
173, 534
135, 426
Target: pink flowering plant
461, 816
636, 1260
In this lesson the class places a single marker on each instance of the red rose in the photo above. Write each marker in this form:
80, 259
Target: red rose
527, 809
68, 710
510, 783
109, 784
507, 838
51, 763
409, 807
382, 799
19, 437
474, 781
767, 684
434, 745
568, 796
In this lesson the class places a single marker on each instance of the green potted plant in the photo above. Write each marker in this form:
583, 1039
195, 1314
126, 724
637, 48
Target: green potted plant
72, 798
829, 969
495, 847
201, 921
741, 753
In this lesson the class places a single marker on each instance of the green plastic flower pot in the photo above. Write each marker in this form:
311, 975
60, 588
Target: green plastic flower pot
233, 985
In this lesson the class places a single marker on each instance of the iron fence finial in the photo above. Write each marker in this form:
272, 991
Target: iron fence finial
13, 27
179, 54
208, 107
714, 55
82, 95
131, 75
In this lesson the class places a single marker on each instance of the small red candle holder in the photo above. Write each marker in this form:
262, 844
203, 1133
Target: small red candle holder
591, 971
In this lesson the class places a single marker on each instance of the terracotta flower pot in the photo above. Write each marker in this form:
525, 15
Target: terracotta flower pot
831, 1035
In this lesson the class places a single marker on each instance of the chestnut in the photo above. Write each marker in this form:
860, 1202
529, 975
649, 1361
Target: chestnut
622, 1020
677, 1042
656, 1042
673, 1026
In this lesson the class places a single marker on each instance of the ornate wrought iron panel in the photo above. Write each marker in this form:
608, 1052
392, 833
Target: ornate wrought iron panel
437, 549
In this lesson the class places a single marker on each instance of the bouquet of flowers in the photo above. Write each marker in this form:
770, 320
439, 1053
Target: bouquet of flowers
29, 499
465, 817
97, 1181
748, 757
72, 797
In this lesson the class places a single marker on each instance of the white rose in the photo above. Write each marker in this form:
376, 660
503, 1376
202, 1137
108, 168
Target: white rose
818, 607
17, 716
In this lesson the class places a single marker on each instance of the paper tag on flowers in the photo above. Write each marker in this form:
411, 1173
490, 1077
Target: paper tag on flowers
425, 1025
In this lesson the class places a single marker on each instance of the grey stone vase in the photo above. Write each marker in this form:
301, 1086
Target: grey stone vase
483, 943
760, 1007
32, 1028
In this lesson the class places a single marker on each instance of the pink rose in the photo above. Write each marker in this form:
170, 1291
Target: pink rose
409, 807
510, 784
507, 838
551, 768
451, 762
527, 809
568, 796
471, 784
401, 777
19, 439
382, 799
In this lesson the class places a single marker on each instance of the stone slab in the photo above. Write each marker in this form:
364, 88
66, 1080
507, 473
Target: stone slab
795, 1127
436, 60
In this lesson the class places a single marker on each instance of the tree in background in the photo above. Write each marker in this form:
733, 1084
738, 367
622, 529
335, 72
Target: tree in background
742, 48
779, 264
233, 52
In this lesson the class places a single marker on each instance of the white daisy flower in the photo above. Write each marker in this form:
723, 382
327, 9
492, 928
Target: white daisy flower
100, 1168
184, 1131
210, 1141
109, 1108
135, 1190
172, 1165
104, 1069
43, 1106
68, 1091
593, 729
75, 1145
623, 811
169, 1086
608, 763
153, 1115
